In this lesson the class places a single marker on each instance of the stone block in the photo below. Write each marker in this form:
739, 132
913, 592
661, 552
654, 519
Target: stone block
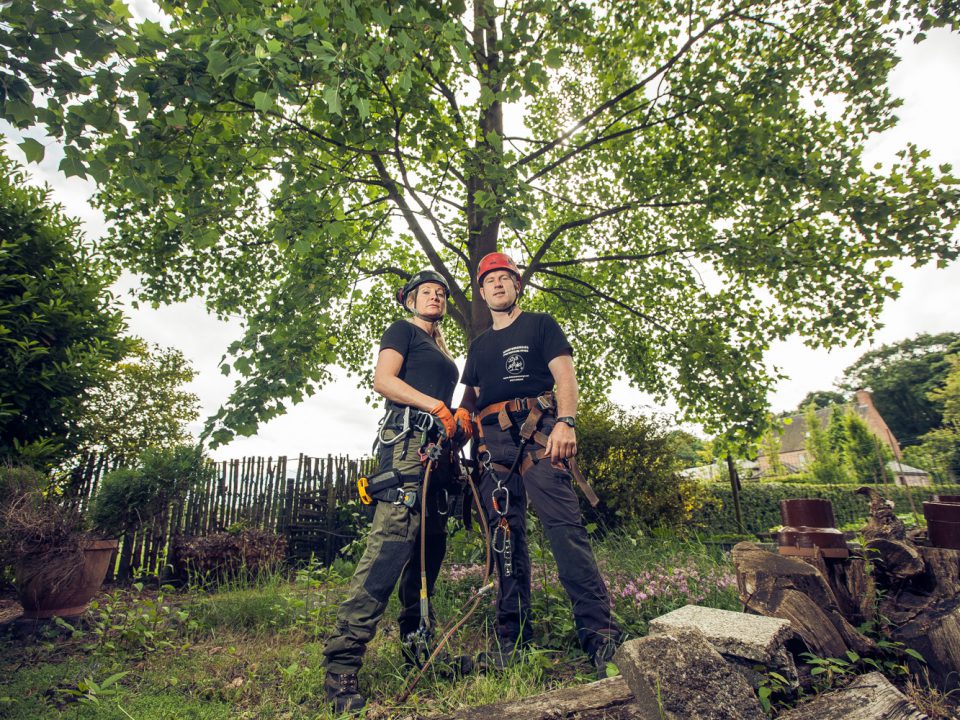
742, 638
677, 674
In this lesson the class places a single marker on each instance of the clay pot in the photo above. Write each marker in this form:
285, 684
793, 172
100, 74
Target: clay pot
943, 523
809, 528
43, 599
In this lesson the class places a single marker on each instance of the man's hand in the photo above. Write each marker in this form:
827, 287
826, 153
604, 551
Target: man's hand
561, 444
446, 419
464, 423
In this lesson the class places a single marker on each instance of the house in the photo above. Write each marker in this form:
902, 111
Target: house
906, 475
793, 440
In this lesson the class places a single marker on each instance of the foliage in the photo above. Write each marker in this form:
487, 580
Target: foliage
631, 462
59, 329
137, 622
901, 377
219, 557
770, 447
825, 446
689, 448
143, 404
258, 157
866, 453
761, 504
939, 449
128, 497
821, 399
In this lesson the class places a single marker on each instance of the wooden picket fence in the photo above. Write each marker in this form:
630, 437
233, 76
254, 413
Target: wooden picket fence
310, 500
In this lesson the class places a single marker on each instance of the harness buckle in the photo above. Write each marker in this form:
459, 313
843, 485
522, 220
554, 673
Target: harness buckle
363, 484
545, 401
406, 497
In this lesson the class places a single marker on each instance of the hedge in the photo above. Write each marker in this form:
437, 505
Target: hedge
761, 503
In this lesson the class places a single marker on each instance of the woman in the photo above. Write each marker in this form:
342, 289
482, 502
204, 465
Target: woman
416, 376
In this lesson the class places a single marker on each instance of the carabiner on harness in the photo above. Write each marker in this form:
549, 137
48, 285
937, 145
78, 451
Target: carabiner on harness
401, 434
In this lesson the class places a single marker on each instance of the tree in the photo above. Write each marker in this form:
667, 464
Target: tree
939, 449
901, 377
689, 448
867, 454
143, 405
821, 399
667, 174
60, 331
826, 462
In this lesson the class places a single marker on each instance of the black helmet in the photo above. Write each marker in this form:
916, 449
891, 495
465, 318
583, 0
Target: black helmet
418, 279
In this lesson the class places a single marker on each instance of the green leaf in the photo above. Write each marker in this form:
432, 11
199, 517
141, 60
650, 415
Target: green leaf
33, 149
263, 101
554, 58
331, 95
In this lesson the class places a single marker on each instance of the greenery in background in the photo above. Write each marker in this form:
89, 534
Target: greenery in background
821, 399
939, 449
901, 378
845, 451
143, 405
353, 115
130, 496
631, 461
761, 504
59, 330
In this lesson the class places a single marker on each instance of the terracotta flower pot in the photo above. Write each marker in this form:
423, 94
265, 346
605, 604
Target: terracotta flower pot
44, 599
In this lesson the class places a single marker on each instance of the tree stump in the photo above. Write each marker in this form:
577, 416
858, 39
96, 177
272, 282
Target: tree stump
935, 634
791, 589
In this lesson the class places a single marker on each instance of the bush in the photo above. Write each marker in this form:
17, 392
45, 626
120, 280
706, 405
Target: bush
761, 503
247, 553
128, 497
631, 461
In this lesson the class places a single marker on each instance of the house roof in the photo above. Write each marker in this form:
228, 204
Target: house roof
902, 469
794, 435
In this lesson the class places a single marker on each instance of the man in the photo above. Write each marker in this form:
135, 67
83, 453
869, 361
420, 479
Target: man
527, 436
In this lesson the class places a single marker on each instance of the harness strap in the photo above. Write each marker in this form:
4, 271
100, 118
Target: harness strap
571, 464
544, 401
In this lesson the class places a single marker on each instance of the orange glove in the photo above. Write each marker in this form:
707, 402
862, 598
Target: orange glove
446, 418
464, 423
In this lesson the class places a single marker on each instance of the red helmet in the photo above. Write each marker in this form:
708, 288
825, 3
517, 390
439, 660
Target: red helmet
496, 261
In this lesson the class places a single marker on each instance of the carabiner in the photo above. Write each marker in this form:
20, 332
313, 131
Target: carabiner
445, 509
500, 491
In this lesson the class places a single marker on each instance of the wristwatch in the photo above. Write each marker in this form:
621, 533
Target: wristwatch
569, 420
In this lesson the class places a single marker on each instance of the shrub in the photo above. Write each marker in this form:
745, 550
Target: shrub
631, 461
249, 553
129, 496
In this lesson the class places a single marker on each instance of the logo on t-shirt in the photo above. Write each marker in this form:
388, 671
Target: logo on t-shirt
514, 363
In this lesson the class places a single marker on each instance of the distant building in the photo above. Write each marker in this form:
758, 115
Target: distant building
793, 440
906, 475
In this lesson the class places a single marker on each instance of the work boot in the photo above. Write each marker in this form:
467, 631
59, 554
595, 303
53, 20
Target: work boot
343, 691
499, 659
602, 658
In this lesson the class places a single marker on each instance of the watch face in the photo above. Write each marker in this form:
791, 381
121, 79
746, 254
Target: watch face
568, 420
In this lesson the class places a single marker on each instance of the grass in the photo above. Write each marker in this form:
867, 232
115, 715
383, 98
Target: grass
254, 650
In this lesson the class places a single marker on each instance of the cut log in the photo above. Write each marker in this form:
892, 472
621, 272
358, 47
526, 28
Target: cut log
608, 699
897, 560
935, 634
784, 587
870, 697
941, 575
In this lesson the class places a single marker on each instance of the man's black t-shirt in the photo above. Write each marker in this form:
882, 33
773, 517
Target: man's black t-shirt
424, 367
513, 362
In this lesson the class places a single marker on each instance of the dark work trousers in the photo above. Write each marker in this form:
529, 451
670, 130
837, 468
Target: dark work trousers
551, 492
392, 555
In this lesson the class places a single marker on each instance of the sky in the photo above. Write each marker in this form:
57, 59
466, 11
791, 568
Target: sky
336, 421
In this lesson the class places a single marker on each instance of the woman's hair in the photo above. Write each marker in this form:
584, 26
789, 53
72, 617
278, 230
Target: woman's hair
437, 334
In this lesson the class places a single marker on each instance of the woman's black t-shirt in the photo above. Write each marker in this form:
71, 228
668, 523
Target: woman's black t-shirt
425, 367
513, 362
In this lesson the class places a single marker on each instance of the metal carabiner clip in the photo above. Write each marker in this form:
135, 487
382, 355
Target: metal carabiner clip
498, 492
498, 545
445, 508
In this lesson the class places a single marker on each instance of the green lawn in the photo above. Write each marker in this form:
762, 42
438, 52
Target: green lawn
254, 650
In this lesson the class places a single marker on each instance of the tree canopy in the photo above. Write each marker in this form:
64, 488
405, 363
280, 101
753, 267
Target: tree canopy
142, 405
902, 377
681, 183
60, 331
